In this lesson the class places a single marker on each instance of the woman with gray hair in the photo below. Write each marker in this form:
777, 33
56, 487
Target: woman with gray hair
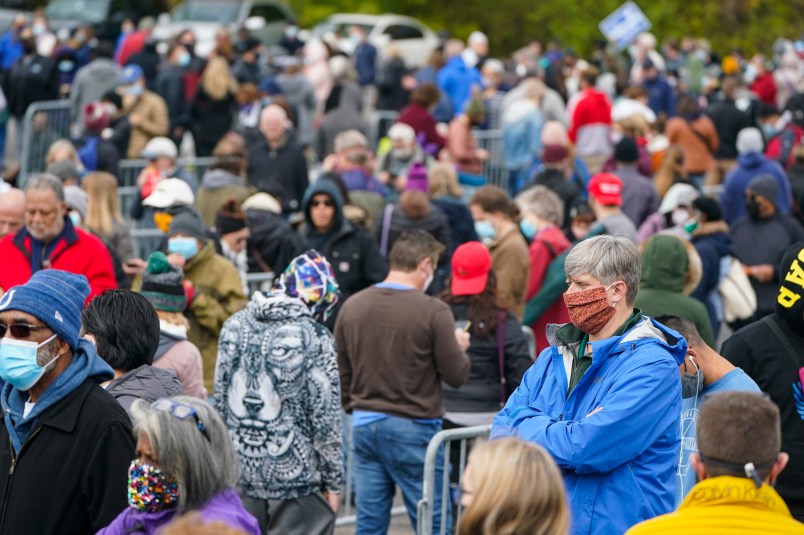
542, 216
186, 462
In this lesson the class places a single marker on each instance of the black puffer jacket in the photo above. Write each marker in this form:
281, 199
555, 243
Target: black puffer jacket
272, 243
481, 392
281, 170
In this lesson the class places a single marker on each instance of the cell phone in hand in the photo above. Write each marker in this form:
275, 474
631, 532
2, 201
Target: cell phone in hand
464, 325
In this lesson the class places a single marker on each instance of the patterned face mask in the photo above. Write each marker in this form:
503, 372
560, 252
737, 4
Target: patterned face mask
150, 489
589, 310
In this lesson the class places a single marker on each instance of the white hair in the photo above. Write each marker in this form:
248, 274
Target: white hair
608, 259
402, 132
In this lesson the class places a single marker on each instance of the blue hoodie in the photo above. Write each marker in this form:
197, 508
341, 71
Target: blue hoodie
619, 464
456, 80
749, 166
85, 364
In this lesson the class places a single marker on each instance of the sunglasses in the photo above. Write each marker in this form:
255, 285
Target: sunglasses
20, 330
327, 202
182, 411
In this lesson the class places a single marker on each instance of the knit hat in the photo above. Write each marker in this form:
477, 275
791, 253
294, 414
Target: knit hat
554, 153
626, 150
606, 189
76, 199
554, 133
95, 117
749, 140
230, 218
54, 297
309, 277
765, 186
188, 223
471, 264
417, 178
789, 303
162, 284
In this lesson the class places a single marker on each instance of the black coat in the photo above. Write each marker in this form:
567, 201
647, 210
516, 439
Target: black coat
553, 179
760, 353
70, 475
282, 170
170, 86
481, 391
272, 243
211, 118
728, 120
355, 259
31, 80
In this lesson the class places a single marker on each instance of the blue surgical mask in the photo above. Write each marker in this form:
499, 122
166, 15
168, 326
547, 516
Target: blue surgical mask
134, 90
75, 217
769, 131
18, 364
528, 229
186, 247
485, 230
184, 60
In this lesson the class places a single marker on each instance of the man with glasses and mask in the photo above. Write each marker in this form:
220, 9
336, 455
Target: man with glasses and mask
604, 400
49, 240
703, 373
65, 443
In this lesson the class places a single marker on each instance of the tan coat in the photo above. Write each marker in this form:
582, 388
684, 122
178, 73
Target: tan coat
511, 263
153, 114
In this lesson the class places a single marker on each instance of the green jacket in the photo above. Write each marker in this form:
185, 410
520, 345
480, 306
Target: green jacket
665, 266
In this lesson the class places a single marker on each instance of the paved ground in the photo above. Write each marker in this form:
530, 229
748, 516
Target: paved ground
400, 524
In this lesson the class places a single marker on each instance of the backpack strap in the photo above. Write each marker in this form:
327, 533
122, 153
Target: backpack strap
773, 324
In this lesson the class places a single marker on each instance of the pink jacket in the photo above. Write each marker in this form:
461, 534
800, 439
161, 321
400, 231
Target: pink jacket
185, 359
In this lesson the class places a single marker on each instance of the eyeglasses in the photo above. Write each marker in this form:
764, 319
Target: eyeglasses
20, 330
327, 202
182, 411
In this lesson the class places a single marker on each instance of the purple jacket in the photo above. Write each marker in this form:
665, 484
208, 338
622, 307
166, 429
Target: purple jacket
224, 507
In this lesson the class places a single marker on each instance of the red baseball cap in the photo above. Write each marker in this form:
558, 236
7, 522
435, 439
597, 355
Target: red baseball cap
471, 263
606, 189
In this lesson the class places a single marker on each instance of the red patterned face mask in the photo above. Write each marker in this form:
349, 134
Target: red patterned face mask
589, 310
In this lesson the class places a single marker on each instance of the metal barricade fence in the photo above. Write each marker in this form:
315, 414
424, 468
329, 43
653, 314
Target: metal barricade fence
147, 240
531, 338
424, 510
259, 282
44, 122
494, 168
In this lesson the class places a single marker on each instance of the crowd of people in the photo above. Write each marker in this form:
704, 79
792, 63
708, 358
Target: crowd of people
649, 212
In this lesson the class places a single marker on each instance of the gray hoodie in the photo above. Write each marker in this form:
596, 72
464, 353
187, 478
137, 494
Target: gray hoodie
146, 382
91, 82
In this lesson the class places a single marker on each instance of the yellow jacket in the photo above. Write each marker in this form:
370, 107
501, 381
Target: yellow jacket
725, 505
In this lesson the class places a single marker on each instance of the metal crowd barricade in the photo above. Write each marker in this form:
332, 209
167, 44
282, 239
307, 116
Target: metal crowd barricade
44, 122
443, 439
147, 240
494, 168
260, 282
379, 124
528, 332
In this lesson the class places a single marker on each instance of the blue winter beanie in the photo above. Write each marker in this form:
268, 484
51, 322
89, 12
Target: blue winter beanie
54, 297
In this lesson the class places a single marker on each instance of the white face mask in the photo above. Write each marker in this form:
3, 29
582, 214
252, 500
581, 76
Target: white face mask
680, 216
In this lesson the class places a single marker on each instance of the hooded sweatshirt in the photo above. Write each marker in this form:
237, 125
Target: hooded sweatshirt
590, 127
146, 382
749, 166
666, 267
274, 356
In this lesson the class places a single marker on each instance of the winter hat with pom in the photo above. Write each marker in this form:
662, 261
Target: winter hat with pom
162, 284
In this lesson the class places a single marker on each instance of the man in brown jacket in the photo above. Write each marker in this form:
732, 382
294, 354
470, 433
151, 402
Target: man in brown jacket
395, 346
147, 111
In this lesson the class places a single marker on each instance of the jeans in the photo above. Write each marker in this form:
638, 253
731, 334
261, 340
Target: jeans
391, 452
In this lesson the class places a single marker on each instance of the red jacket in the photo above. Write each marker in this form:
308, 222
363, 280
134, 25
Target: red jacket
417, 117
545, 247
76, 251
764, 87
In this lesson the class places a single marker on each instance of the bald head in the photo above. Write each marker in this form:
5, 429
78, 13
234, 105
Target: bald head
12, 211
273, 123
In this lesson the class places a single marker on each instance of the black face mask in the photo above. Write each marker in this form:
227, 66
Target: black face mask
28, 46
752, 208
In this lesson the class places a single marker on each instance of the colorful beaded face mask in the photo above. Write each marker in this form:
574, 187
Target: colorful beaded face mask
150, 489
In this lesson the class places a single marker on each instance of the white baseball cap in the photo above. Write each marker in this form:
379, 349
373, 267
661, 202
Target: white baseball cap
170, 191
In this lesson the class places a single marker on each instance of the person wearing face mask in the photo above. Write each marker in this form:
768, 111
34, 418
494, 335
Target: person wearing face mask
169, 85
32, 78
50, 240
605, 199
63, 438
675, 213
494, 214
760, 239
185, 462
290, 39
405, 152
396, 410
605, 399
751, 164
671, 270
212, 284
703, 373
542, 217
770, 351
147, 111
